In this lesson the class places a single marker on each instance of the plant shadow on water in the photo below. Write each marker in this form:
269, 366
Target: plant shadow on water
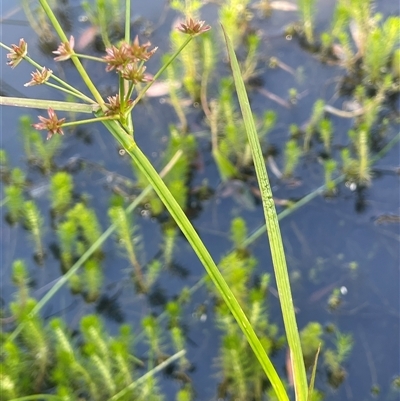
342, 246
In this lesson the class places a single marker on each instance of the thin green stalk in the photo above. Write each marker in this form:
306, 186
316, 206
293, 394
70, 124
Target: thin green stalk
313, 374
147, 375
62, 89
89, 121
274, 235
75, 60
193, 238
37, 397
87, 57
127, 20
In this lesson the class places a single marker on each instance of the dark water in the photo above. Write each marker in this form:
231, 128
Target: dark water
321, 238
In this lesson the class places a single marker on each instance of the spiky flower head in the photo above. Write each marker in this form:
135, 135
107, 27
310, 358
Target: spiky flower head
52, 124
140, 52
192, 27
119, 57
65, 50
39, 77
114, 105
135, 74
17, 53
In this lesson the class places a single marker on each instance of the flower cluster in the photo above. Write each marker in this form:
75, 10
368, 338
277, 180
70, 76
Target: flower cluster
52, 124
65, 50
39, 77
128, 60
191, 27
114, 105
17, 53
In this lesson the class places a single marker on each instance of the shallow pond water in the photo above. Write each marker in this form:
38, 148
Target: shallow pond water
323, 239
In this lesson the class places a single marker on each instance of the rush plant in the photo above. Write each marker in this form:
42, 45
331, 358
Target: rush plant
104, 363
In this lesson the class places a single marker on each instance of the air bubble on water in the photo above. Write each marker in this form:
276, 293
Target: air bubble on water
83, 18
343, 290
351, 185
145, 213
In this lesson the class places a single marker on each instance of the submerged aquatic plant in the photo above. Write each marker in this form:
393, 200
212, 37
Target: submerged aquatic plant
234, 16
380, 45
15, 197
330, 166
128, 240
61, 186
34, 223
292, 156
105, 16
307, 15
231, 150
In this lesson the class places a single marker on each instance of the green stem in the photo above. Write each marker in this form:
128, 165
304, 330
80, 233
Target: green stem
69, 92
127, 21
193, 238
147, 375
87, 57
37, 397
89, 121
75, 60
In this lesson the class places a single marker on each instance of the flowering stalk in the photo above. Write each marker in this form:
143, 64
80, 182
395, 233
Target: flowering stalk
54, 125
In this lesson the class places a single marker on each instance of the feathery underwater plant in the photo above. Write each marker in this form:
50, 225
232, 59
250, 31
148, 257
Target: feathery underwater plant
128, 240
307, 15
34, 223
61, 186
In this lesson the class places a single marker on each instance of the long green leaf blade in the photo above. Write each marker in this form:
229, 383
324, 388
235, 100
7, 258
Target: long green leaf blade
274, 235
